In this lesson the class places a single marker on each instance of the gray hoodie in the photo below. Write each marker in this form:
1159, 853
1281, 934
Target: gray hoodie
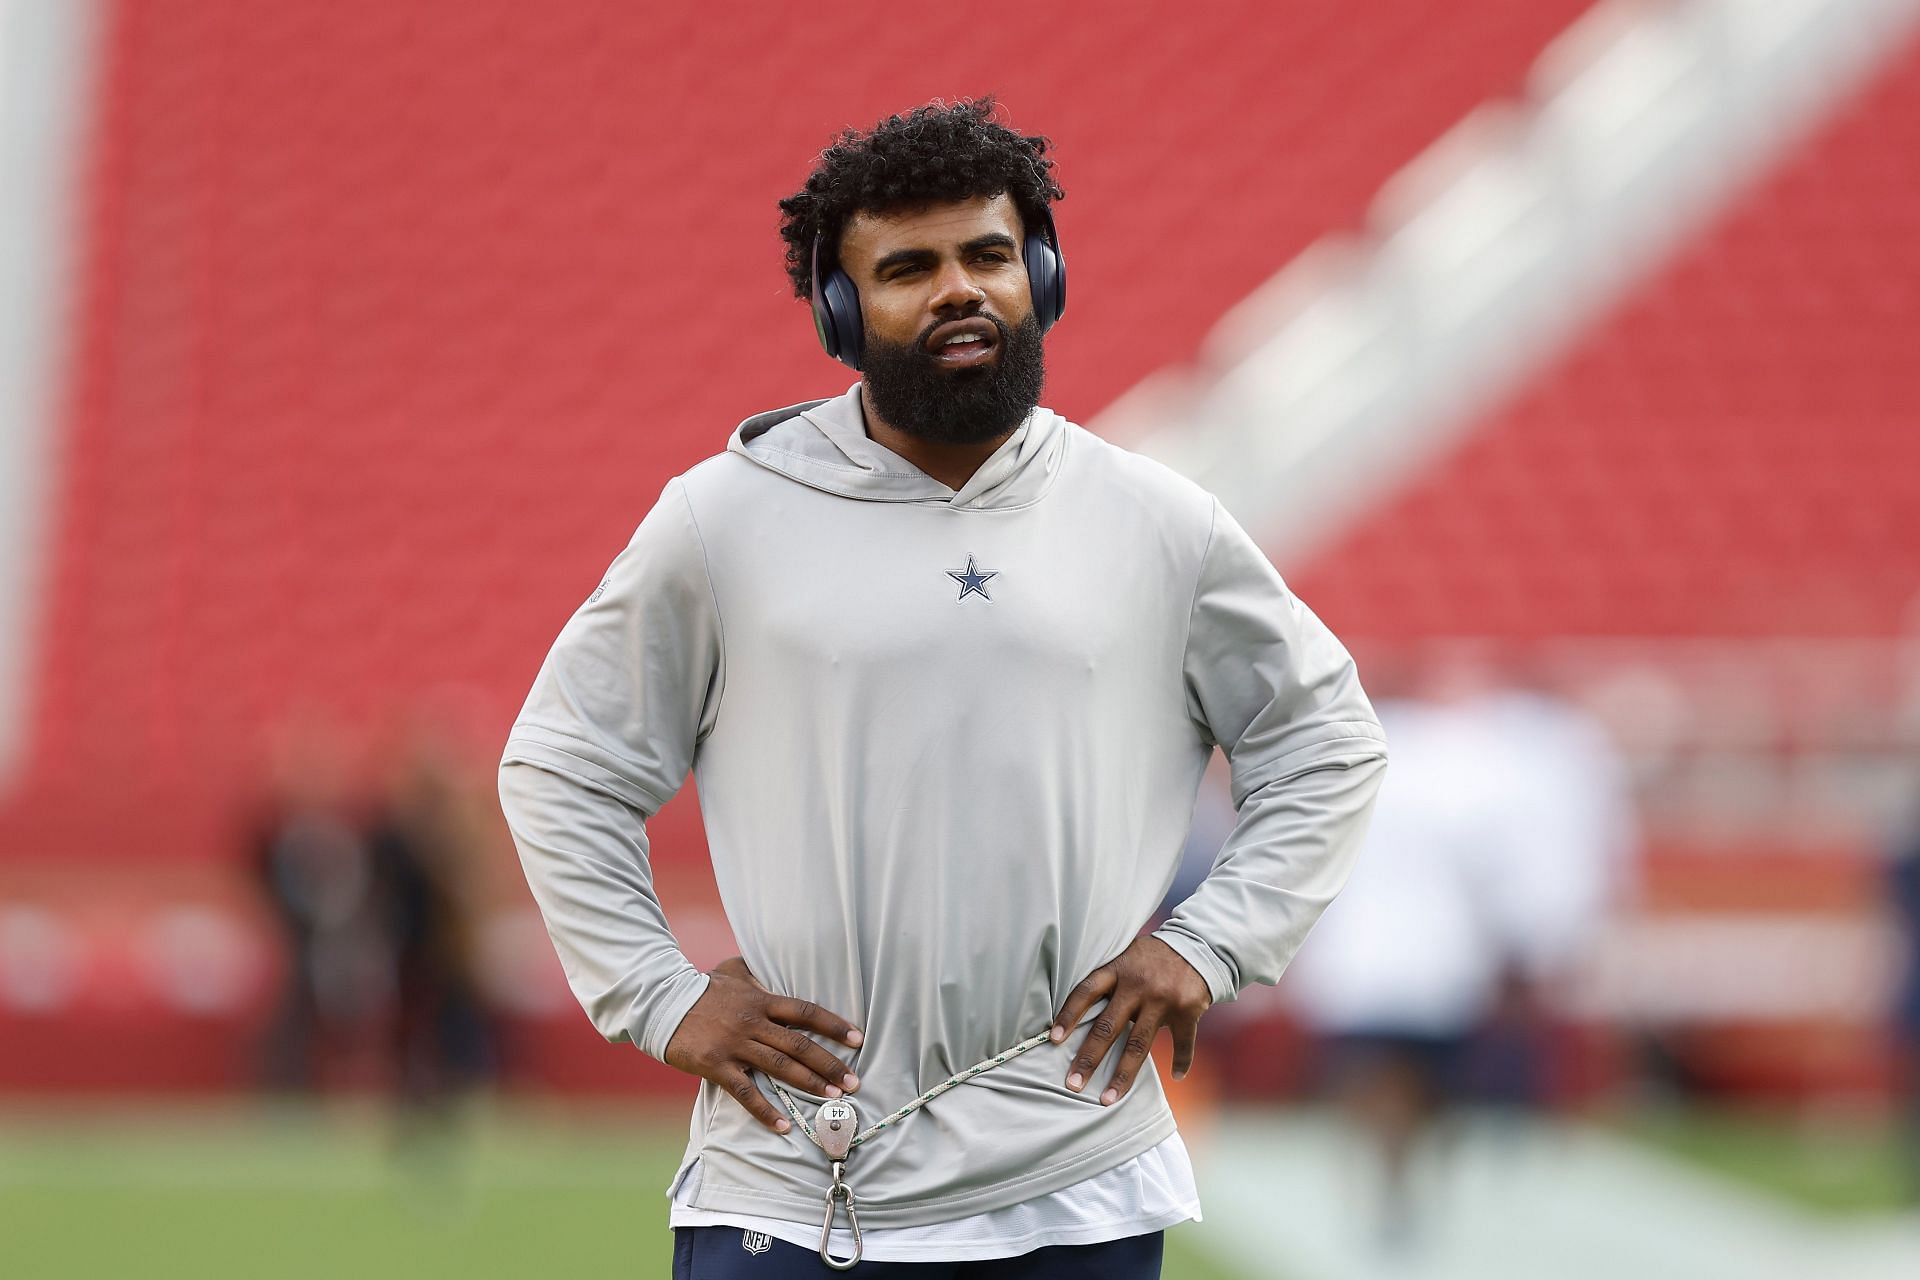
947, 745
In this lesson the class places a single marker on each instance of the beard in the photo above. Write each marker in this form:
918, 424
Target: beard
956, 406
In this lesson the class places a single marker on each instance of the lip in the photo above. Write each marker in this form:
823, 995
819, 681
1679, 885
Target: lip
972, 354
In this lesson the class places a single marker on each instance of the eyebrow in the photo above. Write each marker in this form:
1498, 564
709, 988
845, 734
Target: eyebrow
904, 257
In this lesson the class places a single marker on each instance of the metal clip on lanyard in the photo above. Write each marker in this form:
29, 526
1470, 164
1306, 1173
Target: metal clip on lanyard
835, 1132
833, 1128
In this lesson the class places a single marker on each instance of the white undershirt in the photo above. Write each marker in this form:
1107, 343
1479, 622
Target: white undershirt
1150, 1192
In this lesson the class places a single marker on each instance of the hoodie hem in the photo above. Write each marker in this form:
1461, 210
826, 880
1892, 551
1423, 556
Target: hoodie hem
876, 1211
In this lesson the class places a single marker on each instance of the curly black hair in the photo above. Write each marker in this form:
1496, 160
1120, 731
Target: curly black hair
933, 153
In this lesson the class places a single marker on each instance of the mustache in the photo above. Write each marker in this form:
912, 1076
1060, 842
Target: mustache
1004, 329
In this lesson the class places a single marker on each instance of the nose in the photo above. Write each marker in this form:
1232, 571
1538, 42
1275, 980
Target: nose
954, 289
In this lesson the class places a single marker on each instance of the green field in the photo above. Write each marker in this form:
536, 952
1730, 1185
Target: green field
226, 1191
232, 1190
1838, 1166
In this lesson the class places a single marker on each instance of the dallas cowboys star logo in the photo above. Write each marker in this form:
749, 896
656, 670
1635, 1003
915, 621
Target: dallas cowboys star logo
973, 581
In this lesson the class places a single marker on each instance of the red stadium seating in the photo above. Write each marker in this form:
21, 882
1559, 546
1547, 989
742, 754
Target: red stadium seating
396, 318
1733, 454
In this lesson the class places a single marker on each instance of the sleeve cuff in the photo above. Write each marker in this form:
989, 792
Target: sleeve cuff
668, 1011
1205, 960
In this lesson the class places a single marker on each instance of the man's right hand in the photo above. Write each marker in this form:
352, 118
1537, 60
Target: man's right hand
738, 1027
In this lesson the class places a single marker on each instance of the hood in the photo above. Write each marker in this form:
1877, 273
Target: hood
824, 444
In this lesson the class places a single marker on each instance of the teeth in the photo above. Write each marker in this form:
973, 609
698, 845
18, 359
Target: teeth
965, 337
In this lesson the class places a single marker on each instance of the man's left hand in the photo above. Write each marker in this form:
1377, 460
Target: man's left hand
1148, 986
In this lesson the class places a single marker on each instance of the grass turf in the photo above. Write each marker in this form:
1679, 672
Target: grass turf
1837, 1166
267, 1194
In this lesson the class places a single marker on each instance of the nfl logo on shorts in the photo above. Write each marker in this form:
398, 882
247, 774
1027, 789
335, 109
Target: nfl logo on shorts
755, 1242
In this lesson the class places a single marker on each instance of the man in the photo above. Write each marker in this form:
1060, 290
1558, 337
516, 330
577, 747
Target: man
948, 670
1487, 870
1903, 896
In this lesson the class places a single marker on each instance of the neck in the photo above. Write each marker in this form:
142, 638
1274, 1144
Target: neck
951, 464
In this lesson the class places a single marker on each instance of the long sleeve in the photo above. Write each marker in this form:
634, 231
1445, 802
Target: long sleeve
1269, 684
607, 735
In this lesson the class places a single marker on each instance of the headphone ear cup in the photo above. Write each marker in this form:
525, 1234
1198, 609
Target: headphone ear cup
1046, 272
843, 313
836, 314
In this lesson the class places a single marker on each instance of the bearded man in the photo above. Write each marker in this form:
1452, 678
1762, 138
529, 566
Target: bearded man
948, 670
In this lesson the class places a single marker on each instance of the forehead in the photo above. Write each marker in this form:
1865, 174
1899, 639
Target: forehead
870, 236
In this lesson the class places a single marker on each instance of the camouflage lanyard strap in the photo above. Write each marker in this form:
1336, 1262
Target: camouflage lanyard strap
835, 1135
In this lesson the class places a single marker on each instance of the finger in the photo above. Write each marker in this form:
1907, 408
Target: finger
1139, 1040
796, 1045
1094, 1049
787, 1069
1186, 1036
744, 1091
811, 1017
1095, 987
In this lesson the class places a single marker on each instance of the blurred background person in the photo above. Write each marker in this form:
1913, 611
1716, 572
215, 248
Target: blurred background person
315, 868
426, 837
1484, 875
1903, 896
1559, 865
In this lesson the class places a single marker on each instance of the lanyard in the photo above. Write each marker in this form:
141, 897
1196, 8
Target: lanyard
837, 1134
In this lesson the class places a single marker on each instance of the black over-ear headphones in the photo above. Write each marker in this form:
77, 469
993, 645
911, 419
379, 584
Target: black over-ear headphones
836, 303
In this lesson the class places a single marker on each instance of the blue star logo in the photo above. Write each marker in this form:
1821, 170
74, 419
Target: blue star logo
973, 581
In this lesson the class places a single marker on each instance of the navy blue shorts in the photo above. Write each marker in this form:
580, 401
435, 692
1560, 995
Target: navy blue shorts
728, 1253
